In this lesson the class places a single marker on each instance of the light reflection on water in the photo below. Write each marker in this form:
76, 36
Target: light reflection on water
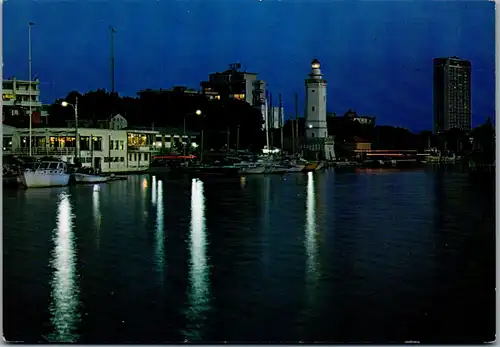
64, 308
199, 286
160, 228
97, 216
153, 190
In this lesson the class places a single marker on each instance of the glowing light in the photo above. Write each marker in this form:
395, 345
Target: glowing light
96, 188
310, 126
64, 104
198, 271
65, 292
160, 232
198, 112
144, 183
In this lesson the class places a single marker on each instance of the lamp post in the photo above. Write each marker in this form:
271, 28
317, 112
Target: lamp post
199, 113
75, 108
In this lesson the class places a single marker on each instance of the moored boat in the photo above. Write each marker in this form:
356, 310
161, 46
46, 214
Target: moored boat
46, 174
89, 178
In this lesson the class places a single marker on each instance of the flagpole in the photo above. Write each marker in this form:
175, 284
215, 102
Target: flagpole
29, 86
112, 59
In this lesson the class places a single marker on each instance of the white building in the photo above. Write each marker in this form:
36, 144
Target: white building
107, 149
315, 110
16, 95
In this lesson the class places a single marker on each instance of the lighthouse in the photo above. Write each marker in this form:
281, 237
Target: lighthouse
315, 112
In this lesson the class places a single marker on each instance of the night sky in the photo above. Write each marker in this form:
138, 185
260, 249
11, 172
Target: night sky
376, 56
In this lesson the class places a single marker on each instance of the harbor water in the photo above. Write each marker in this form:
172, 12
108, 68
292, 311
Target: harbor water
373, 256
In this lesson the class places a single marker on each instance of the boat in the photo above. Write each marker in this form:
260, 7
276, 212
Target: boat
89, 178
46, 174
250, 168
88, 175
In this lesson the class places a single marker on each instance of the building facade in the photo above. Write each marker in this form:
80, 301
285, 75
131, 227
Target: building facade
17, 96
452, 94
315, 110
106, 149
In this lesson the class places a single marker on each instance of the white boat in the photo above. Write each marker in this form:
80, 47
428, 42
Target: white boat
46, 174
250, 168
87, 178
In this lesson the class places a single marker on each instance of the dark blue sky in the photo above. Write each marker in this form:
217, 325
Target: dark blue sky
376, 56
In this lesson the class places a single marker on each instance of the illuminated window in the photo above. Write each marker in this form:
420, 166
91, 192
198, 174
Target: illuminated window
217, 97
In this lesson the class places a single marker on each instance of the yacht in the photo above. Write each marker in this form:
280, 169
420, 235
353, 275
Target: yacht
46, 174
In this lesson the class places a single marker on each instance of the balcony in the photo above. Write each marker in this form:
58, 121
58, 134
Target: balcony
45, 151
145, 148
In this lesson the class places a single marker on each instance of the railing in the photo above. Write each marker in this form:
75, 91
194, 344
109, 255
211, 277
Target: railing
144, 148
45, 151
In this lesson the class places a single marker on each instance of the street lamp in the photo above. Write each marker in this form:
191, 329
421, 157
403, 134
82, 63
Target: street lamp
199, 113
75, 108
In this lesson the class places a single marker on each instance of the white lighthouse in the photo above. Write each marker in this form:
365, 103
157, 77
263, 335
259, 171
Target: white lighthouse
315, 112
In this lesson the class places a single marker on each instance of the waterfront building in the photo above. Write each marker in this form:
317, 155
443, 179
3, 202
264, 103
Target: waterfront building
106, 149
16, 96
452, 94
111, 150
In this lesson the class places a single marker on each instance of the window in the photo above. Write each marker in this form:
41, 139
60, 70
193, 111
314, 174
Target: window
122, 145
312, 135
84, 143
135, 156
313, 108
106, 159
122, 159
313, 90
145, 156
97, 143
130, 157
115, 159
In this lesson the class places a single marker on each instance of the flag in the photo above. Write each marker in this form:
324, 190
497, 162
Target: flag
31, 23
112, 29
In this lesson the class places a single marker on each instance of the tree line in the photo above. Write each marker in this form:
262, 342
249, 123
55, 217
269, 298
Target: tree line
243, 124
169, 109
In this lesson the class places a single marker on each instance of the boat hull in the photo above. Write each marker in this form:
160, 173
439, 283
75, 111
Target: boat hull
85, 178
298, 168
30, 179
253, 170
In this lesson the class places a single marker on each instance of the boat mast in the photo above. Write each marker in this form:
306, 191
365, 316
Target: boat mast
29, 85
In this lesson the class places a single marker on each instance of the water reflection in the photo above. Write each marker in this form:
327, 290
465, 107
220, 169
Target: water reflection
310, 239
160, 231
153, 190
64, 307
310, 243
97, 216
198, 271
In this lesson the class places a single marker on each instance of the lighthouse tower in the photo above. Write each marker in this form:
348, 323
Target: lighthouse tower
315, 112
